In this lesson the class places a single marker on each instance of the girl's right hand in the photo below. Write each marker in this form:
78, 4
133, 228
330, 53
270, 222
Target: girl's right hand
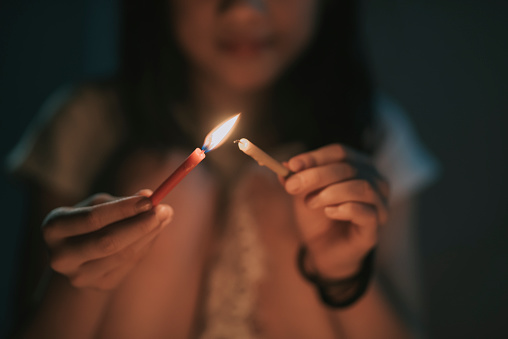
96, 243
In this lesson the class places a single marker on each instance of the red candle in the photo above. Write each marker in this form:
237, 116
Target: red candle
212, 140
195, 158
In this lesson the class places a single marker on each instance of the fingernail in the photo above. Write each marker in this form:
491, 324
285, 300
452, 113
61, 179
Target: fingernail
296, 165
293, 184
143, 205
145, 192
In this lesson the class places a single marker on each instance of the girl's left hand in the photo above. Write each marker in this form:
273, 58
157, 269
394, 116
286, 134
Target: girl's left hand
340, 203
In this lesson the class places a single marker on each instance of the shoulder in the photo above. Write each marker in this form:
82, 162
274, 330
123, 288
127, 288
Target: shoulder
401, 155
96, 103
77, 108
70, 138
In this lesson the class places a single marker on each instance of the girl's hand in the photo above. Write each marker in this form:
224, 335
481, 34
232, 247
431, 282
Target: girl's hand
340, 203
97, 242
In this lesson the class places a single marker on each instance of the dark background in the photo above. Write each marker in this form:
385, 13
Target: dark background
445, 61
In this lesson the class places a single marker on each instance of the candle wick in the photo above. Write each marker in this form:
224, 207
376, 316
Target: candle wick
236, 141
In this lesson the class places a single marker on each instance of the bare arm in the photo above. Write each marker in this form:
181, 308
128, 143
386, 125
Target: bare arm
373, 316
33, 273
53, 308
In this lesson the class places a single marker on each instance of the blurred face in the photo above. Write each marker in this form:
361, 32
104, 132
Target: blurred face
242, 44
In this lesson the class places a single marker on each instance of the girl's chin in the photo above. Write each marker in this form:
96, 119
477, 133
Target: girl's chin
247, 87
249, 82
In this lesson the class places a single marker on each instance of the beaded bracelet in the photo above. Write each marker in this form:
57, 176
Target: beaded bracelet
343, 292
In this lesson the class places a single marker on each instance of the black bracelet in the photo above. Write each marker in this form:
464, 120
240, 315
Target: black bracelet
338, 293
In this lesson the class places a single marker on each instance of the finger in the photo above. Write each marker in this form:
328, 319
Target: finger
363, 216
110, 240
145, 192
348, 191
67, 222
118, 236
96, 199
92, 272
357, 190
325, 155
370, 173
315, 178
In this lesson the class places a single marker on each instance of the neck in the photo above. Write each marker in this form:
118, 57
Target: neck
212, 102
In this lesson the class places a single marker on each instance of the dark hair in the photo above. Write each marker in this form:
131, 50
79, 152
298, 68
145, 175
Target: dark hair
324, 97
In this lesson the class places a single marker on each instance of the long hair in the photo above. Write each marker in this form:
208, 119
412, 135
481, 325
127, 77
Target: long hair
325, 96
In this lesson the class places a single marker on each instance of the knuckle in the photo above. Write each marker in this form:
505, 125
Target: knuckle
324, 196
349, 170
51, 223
309, 160
311, 178
49, 231
149, 222
348, 208
333, 212
91, 217
100, 198
128, 254
107, 244
78, 280
59, 262
365, 190
338, 149
52, 216
126, 208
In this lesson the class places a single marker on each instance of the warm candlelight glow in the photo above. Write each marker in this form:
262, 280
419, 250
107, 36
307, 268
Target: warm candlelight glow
217, 136
212, 140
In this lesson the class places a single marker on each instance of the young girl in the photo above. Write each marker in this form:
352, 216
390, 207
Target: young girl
233, 251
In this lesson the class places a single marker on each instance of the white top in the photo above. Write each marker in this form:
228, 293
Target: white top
69, 141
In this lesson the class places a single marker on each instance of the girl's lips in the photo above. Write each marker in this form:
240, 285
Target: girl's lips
244, 47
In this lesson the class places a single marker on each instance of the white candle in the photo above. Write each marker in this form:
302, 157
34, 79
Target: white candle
261, 157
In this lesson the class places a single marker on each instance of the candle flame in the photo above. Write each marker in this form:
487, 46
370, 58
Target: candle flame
219, 134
